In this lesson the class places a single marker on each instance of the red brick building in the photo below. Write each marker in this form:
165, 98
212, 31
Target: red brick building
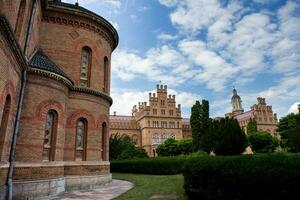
54, 98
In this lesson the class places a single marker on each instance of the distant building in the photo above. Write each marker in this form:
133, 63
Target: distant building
263, 114
153, 122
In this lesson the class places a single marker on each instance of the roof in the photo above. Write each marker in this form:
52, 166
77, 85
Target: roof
186, 120
244, 115
41, 61
122, 122
120, 118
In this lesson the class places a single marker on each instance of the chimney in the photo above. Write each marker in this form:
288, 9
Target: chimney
115, 113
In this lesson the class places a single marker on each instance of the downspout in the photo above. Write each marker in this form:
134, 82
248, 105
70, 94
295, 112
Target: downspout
19, 107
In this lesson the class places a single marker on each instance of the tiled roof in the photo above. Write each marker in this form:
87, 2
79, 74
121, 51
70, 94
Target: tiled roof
122, 122
186, 120
244, 115
120, 118
41, 61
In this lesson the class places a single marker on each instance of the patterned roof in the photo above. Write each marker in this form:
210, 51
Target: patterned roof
122, 122
244, 115
41, 61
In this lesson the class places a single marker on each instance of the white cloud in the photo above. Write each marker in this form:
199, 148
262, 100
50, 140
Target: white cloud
168, 3
166, 37
294, 108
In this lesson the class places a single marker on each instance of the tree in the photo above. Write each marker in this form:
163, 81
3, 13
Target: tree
196, 124
252, 126
200, 122
263, 142
229, 137
124, 148
288, 122
173, 147
292, 137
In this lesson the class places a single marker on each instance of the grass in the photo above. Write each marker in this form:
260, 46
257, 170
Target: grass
158, 187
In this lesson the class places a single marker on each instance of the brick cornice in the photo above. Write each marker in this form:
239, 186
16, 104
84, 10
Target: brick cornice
100, 26
8, 35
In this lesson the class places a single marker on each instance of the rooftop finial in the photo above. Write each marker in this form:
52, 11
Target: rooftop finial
77, 3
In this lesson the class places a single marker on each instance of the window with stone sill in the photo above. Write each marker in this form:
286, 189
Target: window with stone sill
49, 136
85, 66
81, 131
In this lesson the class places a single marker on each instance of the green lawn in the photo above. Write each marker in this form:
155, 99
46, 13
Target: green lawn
157, 187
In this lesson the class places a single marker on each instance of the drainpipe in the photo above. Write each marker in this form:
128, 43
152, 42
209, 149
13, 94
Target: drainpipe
19, 108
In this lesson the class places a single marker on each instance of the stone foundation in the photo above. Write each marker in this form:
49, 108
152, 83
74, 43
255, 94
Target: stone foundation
86, 182
38, 188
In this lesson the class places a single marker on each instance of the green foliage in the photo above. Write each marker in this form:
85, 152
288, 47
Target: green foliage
263, 142
124, 148
225, 137
200, 122
252, 126
258, 176
173, 147
292, 139
288, 122
155, 165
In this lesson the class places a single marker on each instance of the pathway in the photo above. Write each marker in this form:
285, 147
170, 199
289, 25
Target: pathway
116, 188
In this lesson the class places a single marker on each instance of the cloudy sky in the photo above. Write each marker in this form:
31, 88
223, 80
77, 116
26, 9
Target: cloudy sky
202, 48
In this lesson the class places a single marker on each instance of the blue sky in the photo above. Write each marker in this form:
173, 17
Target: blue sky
202, 48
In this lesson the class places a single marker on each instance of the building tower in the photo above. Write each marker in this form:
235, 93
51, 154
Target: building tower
236, 103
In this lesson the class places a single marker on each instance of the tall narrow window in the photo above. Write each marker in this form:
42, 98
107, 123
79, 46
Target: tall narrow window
4, 122
104, 138
20, 18
85, 66
50, 136
105, 78
81, 131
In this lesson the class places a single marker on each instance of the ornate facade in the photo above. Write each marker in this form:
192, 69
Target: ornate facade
54, 98
153, 122
263, 114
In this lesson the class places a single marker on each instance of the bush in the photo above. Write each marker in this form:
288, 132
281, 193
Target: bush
173, 147
263, 142
124, 148
259, 176
157, 165
292, 139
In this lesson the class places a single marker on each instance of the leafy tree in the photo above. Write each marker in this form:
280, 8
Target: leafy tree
196, 124
173, 147
124, 148
288, 122
229, 137
263, 142
252, 126
200, 122
292, 138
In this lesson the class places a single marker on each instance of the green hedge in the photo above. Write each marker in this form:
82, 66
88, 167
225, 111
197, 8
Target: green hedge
259, 176
157, 165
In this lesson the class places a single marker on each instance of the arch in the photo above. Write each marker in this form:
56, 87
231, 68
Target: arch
20, 18
50, 135
85, 66
81, 139
4, 122
105, 75
104, 135
43, 108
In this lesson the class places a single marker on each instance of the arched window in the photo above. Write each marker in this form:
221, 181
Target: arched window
85, 66
155, 138
105, 78
104, 142
4, 122
50, 136
20, 18
81, 134
135, 139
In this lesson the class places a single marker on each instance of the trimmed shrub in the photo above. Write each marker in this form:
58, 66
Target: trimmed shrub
260, 176
172, 147
263, 142
157, 165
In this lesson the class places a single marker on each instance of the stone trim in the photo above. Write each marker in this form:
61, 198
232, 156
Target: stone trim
51, 75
